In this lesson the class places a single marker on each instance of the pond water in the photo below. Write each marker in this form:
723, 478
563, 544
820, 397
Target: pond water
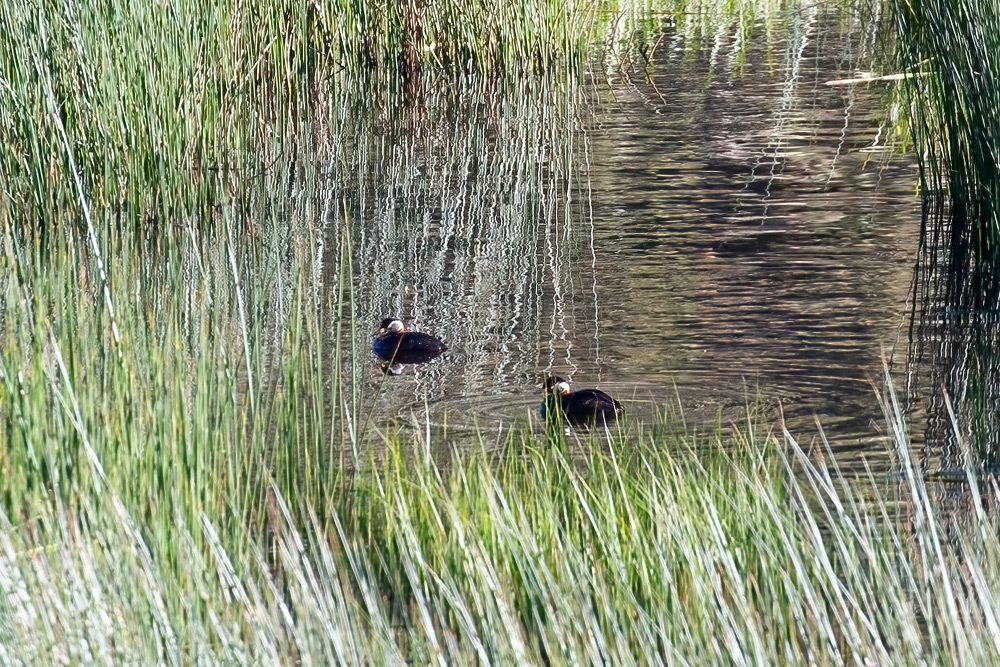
689, 230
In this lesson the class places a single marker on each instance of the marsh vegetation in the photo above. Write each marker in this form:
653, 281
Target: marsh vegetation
207, 210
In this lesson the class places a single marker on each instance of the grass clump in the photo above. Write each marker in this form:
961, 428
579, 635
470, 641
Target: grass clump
950, 52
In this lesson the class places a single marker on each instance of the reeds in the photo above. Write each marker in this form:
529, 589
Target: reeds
191, 470
716, 549
133, 99
949, 53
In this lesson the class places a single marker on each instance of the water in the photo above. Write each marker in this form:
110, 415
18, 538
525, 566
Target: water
747, 236
696, 230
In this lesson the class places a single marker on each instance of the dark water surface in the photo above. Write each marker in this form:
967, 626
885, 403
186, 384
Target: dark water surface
696, 229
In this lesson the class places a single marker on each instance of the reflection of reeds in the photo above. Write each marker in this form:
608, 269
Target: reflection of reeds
464, 218
953, 349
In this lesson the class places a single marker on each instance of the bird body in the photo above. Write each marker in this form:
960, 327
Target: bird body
582, 407
395, 344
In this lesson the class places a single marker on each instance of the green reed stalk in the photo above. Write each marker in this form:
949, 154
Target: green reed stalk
950, 52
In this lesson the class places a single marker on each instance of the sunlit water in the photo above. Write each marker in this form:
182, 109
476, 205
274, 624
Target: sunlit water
690, 232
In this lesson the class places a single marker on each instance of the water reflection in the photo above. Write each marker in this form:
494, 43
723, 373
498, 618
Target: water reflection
679, 232
744, 238
461, 223
953, 357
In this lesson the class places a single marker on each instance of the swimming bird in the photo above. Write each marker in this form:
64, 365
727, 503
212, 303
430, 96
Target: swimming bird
582, 407
395, 344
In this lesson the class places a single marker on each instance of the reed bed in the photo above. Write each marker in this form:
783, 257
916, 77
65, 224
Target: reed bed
191, 468
217, 493
653, 547
129, 105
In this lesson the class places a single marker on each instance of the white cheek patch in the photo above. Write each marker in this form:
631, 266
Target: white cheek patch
395, 326
562, 387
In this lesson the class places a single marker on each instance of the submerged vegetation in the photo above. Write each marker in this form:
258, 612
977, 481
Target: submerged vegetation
191, 466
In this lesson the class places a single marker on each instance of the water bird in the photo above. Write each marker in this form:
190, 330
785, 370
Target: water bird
396, 345
582, 407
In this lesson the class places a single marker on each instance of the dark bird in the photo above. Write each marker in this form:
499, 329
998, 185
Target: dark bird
396, 345
583, 407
